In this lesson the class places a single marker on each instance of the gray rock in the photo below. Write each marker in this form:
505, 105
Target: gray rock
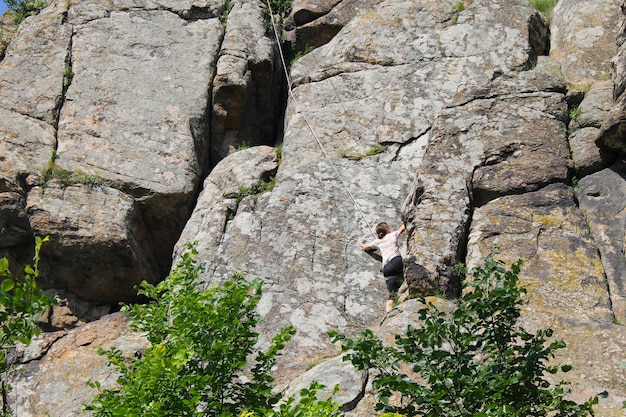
222, 191
248, 85
14, 225
587, 157
56, 384
595, 106
333, 372
312, 25
479, 151
567, 287
101, 231
602, 196
135, 112
583, 35
618, 63
591, 113
541, 228
27, 145
33, 71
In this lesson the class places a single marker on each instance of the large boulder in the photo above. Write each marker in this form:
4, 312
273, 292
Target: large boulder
135, 116
56, 368
101, 231
602, 196
486, 148
583, 34
35, 64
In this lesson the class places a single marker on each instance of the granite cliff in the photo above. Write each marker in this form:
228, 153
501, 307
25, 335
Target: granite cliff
130, 128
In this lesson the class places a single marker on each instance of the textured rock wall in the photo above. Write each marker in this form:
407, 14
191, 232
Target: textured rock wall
482, 127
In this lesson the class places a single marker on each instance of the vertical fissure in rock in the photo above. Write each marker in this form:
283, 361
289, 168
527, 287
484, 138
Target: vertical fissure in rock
68, 75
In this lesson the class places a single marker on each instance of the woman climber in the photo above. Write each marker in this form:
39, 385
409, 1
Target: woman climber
387, 243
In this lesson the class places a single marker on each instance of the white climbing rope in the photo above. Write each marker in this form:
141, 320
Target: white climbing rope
308, 123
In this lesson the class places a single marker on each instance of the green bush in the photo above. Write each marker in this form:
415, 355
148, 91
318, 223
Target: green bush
543, 6
474, 361
21, 9
21, 300
201, 341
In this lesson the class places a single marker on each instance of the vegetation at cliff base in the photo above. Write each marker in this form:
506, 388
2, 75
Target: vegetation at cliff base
21, 300
474, 361
201, 341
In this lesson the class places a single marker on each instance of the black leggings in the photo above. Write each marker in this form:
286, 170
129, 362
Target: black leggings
393, 267
392, 271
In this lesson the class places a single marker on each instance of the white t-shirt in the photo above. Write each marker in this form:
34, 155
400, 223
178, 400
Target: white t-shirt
388, 246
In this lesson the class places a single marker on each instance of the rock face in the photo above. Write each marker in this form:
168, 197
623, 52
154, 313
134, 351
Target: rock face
478, 127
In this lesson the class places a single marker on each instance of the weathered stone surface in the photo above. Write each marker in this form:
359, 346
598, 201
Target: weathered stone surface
583, 37
612, 137
55, 385
14, 225
101, 231
247, 90
602, 198
564, 275
135, 115
587, 157
491, 148
27, 145
595, 106
86, 10
221, 193
403, 87
33, 69
311, 25
281, 237
562, 267
334, 372
618, 62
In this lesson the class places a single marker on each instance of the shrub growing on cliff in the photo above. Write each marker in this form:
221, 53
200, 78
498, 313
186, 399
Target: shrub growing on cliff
21, 300
543, 6
474, 361
21, 9
201, 340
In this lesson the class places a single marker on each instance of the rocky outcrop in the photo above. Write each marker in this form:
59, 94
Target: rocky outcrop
451, 119
87, 224
59, 366
118, 94
612, 135
583, 38
313, 24
249, 83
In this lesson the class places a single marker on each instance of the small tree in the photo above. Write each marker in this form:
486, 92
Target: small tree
201, 340
473, 361
20, 302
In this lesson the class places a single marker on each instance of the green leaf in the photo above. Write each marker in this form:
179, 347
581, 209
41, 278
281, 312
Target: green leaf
7, 285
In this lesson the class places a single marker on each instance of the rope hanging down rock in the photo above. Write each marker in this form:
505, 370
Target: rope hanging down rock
308, 123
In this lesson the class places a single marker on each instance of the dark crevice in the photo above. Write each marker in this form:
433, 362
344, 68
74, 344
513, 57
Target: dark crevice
352, 404
68, 75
